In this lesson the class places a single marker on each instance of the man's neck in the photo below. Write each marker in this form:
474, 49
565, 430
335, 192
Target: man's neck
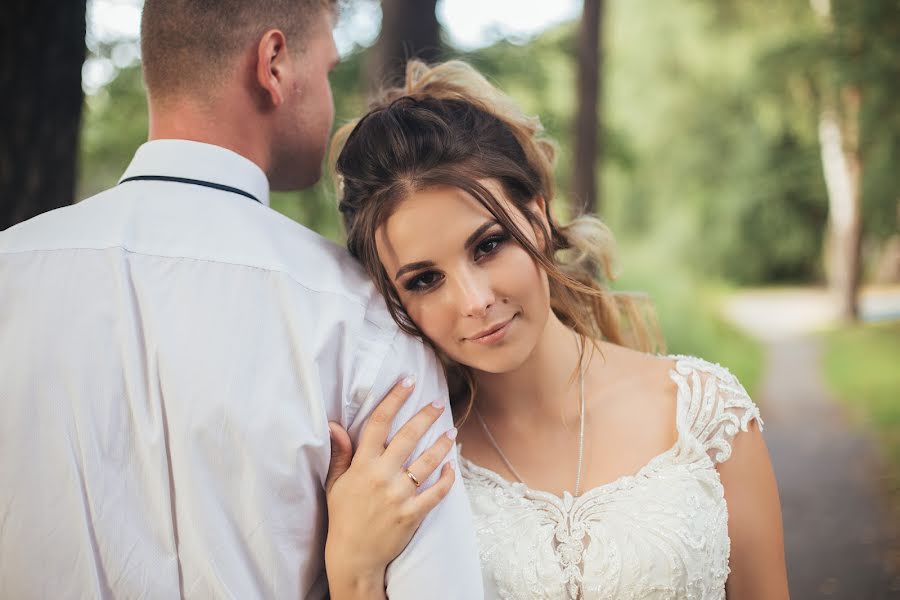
211, 126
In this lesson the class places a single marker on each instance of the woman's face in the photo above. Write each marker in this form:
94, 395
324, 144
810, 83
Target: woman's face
465, 282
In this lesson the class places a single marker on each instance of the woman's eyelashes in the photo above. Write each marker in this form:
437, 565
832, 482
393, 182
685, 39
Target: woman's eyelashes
423, 281
490, 244
427, 280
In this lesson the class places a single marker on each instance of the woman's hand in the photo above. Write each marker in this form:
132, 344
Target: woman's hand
374, 502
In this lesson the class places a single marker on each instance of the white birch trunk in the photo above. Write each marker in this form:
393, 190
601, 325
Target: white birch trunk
842, 167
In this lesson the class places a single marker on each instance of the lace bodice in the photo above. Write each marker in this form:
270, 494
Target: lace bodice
660, 533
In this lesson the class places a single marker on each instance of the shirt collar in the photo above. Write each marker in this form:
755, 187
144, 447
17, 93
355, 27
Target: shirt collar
196, 160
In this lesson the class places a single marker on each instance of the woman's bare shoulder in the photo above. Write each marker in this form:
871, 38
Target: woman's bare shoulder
641, 372
638, 382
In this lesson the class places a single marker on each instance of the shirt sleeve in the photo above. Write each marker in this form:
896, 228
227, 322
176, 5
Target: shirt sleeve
441, 560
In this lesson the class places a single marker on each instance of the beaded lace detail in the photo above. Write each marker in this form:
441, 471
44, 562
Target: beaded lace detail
659, 533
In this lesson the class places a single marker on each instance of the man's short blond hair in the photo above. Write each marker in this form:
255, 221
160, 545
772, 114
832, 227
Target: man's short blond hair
188, 45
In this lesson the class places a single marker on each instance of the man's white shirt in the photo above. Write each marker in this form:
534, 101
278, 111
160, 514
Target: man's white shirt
170, 355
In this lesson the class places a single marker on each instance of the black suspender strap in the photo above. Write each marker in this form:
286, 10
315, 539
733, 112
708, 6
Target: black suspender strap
209, 184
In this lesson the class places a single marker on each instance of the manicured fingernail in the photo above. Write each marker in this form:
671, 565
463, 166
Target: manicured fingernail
408, 381
438, 404
452, 433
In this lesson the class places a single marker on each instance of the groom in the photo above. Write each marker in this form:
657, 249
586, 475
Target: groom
171, 350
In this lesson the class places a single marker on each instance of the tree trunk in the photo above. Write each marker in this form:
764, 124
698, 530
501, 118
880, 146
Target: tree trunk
842, 165
588, 146
409, 29
42, 54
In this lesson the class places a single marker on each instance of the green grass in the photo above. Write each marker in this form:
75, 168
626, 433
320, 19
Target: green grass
697, 329
690, 316
862, 366
719, 341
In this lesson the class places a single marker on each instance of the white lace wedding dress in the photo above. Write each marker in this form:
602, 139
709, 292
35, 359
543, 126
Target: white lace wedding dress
660, 533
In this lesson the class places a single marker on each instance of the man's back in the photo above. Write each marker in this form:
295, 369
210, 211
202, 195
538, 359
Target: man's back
171, 355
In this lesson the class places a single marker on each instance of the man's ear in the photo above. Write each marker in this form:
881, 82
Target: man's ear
271, 66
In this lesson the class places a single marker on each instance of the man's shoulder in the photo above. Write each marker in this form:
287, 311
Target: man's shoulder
48, 230
322, 266
216, 228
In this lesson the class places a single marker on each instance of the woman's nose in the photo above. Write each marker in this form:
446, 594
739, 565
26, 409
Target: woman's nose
476, 296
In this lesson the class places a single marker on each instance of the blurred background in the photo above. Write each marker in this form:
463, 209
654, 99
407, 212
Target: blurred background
745, 154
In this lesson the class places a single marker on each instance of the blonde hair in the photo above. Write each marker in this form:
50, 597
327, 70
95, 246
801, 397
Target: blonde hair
447, 125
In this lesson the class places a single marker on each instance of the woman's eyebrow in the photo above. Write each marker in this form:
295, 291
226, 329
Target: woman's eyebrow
413, 267
470, 241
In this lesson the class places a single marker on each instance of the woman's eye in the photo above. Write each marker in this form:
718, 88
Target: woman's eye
489, 245
423, 281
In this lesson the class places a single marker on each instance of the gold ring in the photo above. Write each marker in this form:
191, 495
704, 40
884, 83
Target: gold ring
412, 477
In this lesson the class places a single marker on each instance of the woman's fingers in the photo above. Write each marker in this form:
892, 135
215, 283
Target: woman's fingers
374, 434
431, 459
341, 454
403, 444
431, 497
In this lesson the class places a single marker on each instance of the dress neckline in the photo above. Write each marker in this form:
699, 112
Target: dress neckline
567, 500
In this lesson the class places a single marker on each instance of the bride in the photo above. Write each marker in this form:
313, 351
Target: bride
594, 467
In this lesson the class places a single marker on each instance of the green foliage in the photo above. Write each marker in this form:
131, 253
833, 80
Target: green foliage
716, 149
115, 124
856, 48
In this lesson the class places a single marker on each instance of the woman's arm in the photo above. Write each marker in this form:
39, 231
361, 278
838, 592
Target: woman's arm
374, 505
754, 521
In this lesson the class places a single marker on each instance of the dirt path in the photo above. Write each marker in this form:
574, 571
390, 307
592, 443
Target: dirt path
835, 524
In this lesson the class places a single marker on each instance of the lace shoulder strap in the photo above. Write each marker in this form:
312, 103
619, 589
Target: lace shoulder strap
713, 405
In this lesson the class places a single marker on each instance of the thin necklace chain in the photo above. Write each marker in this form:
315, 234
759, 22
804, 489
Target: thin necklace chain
580, 429
497, 446
508, 464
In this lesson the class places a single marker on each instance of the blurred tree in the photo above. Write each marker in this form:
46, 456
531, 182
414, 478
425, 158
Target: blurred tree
409, 29
588, 136
849, 64
720, 167
839, 138
42, 50
839, 67
859, 128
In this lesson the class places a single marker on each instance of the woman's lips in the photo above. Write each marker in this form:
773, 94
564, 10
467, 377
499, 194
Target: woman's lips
495, 334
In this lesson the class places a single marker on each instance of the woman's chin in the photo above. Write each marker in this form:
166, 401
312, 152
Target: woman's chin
497, 361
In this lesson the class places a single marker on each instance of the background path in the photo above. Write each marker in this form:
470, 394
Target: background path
837, 532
